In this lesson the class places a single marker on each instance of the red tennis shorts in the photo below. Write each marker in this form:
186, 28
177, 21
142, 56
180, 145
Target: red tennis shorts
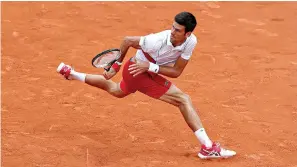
152, 85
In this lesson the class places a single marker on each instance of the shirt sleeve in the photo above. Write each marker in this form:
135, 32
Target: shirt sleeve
187, 53
152, 42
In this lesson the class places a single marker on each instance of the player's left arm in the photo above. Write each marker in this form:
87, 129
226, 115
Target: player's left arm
180, 63
172, 72
176, 70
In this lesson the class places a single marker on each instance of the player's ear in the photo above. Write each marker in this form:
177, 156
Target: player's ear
188, 34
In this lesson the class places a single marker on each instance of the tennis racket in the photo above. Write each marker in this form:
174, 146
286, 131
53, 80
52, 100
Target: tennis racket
106, 58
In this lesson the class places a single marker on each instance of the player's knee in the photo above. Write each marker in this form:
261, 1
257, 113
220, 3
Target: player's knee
113, 92
184, 99
116, 92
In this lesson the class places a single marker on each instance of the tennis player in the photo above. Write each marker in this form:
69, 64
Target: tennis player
160, 54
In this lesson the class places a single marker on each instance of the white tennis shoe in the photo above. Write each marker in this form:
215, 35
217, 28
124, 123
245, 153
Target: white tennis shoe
216, 151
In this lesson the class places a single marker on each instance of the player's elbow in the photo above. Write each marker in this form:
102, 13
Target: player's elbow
131, 41
176, 74
127, 41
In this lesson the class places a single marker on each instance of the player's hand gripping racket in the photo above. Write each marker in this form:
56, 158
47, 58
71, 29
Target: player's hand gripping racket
106, 58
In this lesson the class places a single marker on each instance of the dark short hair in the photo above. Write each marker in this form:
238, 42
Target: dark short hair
186, 19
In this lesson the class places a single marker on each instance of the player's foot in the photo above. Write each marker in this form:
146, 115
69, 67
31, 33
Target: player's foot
216, 151
64, 70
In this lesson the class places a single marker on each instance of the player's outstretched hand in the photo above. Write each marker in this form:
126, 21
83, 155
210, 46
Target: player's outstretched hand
109, 74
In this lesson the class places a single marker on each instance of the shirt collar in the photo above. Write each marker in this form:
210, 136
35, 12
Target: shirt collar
168, 39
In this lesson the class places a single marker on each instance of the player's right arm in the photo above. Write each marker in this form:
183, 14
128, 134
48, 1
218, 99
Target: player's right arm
148, 43
128, 41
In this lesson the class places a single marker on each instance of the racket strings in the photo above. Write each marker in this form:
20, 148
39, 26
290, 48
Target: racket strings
106, 59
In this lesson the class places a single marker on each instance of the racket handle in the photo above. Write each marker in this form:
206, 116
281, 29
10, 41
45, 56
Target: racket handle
107, 69
110, 65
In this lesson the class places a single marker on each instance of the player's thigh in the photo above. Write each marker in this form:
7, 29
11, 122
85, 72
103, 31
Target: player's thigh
154, 86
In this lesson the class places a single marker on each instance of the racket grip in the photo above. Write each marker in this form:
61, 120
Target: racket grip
110, 65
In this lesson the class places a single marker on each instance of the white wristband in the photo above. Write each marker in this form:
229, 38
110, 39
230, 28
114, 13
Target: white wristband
154, 68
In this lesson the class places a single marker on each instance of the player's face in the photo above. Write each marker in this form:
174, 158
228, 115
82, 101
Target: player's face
178, 34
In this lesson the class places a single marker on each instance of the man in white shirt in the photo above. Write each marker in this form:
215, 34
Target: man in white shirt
164, 53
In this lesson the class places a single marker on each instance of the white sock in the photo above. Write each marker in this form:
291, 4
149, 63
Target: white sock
78, 76
203, 138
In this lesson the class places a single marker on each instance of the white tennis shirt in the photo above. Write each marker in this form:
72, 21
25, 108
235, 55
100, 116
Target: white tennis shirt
160, 48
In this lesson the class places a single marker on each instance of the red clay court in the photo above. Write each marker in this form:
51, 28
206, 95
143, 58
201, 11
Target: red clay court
242, 78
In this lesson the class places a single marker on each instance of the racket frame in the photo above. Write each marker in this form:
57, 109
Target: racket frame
110, 63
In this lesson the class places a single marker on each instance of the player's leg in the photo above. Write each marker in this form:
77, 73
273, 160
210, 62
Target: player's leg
183, 101
94, 80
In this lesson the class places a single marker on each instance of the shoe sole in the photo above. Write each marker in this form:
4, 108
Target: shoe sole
60, 67
213, 157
